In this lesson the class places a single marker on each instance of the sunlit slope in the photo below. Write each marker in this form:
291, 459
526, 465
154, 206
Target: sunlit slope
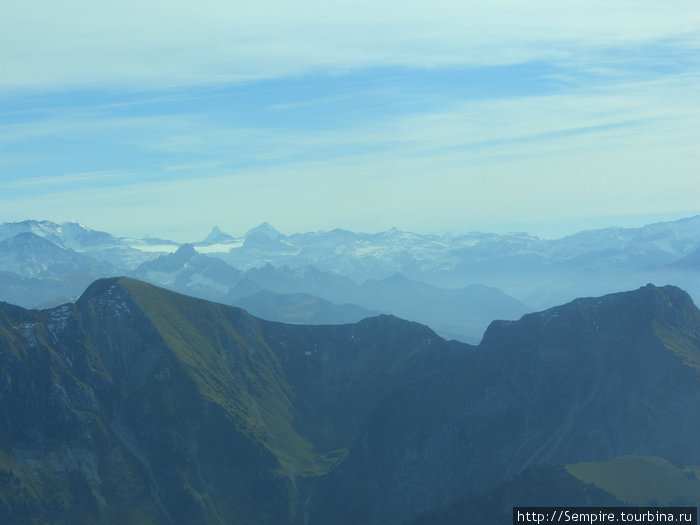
149, 406
642, 480
209, 382
224, 352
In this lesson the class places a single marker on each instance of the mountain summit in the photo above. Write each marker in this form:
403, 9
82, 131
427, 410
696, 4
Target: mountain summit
217, 236
265, 229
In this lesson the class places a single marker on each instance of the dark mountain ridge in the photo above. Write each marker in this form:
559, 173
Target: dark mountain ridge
140, 405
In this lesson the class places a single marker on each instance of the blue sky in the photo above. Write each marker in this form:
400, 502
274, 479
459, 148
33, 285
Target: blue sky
502, 116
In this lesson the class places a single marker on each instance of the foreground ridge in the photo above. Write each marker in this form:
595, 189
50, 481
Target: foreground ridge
142, 405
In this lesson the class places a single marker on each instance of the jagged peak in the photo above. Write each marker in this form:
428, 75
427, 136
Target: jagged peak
217, 235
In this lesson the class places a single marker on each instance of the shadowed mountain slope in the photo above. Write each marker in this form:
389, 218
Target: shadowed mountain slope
140, 405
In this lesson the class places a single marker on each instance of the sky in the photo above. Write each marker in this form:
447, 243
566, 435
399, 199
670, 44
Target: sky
167, 118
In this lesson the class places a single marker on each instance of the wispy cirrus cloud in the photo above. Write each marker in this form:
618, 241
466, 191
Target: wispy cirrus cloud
77, 43
304, 113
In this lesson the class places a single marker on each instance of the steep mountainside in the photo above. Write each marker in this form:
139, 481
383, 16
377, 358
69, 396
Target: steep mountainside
140, 405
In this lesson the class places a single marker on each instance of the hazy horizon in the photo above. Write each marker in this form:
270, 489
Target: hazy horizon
536, 230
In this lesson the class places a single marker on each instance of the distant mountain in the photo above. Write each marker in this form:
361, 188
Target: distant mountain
140, 405
536, 272
190, 272
259, 241
40, 292
30, 255
301, 308
216, 236
35, 271
307, 279
462, 314
308, 295
74, 236
265, 229
450, 259
445, 260
690, 262
45, 229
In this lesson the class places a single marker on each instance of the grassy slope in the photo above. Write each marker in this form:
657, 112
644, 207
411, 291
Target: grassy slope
224, 352
682, 343
641, 480
228, 370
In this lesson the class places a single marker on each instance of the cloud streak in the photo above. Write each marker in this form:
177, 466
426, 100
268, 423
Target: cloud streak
355, 114
78, 43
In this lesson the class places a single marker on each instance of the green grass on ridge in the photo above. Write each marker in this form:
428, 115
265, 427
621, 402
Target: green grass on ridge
641, 480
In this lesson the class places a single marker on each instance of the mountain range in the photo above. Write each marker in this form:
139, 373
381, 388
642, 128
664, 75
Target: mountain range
136, 404
456, 284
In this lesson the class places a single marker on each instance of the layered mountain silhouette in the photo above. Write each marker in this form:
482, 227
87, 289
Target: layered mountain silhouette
301, 308
140, 405
456, 284
36, 271
191, 272
308, 295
